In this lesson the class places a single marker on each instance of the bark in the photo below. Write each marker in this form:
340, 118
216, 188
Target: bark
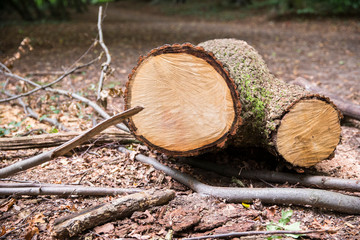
51, 140
298, 196
302, 127
119, 208
36, 189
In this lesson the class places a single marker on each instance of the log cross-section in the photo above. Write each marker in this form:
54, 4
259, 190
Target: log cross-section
192, 96
190, 103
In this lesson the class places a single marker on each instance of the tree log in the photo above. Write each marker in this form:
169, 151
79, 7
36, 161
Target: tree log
119, 208
51, 140
198, 98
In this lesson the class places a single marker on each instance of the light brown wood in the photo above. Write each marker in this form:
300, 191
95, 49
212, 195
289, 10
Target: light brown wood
51, 140
308, 133
187, 104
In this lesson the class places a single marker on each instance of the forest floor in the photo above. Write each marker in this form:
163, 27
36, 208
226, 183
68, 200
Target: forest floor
325, 51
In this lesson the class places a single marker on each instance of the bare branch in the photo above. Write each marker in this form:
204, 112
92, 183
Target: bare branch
34, 115
90, 103
253, 233
105, 65
271, 176
64, 148
49, 84
35, 189
299, 196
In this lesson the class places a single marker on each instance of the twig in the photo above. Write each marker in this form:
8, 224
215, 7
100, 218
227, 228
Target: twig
105, 65
34, 115
35, 189
119, 208
299, 196
271, 176
90, 103
64, 148
46, 85
347, 108
252, 233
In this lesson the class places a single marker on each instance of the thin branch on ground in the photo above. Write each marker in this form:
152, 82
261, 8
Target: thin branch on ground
88, 102
48, 84
105, 67
254, 233
66, 147
279, 177
35, 189
28, 110
298, 196
346, 107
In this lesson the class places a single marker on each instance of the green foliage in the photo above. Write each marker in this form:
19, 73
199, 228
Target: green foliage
314, 7
11, 127
283, 224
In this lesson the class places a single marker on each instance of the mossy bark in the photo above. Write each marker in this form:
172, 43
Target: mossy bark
265, 99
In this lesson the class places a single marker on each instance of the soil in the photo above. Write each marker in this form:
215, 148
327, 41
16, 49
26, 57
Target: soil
325, 51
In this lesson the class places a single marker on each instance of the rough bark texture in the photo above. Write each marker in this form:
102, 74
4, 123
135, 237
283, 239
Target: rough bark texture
302, 127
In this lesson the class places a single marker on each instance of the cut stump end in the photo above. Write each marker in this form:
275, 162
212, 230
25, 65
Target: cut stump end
190, 103
309, 132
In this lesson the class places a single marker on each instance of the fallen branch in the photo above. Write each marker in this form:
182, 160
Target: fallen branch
88, 102
34, 115
35, 189
5, 73
52, 140
299, 196
279, 177
64, 148
105, 66
254, 233
123, 207
347, 108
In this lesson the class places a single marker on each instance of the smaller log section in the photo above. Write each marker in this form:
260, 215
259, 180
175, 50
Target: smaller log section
192, 97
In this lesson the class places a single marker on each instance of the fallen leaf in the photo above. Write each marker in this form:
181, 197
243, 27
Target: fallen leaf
7, 205
31, 232
106, 228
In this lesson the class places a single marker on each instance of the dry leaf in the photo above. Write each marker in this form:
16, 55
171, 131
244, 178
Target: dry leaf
31, 232
106, 228
7, 205
38, 218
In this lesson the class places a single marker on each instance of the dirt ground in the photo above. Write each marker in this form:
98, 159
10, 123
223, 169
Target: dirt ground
325, 51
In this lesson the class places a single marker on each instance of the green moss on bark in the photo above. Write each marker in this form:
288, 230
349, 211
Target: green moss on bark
264, 98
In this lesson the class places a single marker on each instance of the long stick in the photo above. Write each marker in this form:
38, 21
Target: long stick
271, 176
64, 148
253, 233
299, 196
35, 189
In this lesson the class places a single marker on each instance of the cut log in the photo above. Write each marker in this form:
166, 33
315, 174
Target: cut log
192, 97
